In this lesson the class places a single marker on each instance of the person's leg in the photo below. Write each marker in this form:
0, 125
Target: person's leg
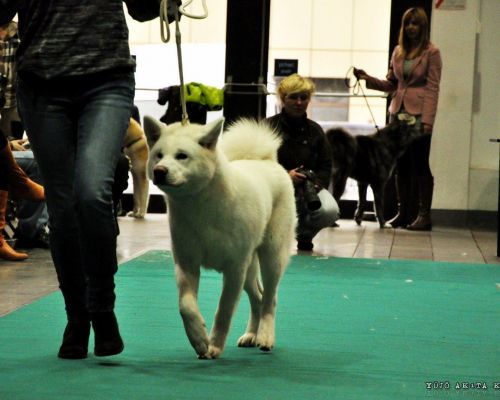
7, 252
102, 124
403, 182
403, 191
76, 134
48, 118
19, 185
425, 183
310, 223
48, 121
33, 216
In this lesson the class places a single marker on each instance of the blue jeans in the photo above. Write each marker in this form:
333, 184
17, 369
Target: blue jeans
76, 132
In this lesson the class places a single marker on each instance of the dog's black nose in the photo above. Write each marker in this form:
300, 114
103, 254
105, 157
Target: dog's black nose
160, 173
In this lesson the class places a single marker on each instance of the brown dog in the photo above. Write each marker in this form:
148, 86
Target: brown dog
136, 149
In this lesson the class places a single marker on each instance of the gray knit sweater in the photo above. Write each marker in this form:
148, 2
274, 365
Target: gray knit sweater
71, 38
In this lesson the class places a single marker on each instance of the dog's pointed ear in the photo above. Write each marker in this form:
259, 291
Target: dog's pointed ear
212, 133
152, 129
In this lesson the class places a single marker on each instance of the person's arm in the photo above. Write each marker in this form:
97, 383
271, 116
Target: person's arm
143, 10
146, 10
431, 90
389, 84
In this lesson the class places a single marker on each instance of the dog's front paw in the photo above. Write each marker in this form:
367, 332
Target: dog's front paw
203, 351
247, 340
383, 225
265, 345
213, 352
265, 340
200, 343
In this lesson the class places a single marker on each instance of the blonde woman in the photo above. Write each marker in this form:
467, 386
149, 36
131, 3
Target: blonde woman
306, 155
413, 81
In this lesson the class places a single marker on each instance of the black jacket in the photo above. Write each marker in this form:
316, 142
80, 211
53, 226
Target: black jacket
304, 144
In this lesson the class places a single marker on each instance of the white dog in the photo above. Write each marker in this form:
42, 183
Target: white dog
231, 208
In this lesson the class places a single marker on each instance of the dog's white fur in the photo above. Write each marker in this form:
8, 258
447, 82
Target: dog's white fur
231, 208
136, 149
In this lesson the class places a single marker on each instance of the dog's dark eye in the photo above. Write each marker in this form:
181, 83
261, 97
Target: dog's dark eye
159, 155
181, 156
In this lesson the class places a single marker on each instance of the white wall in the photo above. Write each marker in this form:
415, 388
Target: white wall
464, 162
483, 190
328, 36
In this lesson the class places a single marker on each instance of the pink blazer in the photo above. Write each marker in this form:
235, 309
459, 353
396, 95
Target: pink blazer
419, 92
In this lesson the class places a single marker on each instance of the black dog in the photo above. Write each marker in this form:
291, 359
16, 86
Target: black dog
369, 159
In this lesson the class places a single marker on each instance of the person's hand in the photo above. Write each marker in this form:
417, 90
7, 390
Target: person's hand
296, 176
427, 129
359, 73
18, 145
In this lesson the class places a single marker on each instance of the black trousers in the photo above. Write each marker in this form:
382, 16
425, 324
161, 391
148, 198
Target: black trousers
415, 161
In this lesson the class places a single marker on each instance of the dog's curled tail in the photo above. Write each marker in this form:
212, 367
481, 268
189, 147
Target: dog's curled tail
247, 139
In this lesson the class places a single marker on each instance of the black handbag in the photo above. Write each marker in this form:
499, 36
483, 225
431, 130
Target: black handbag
146, 10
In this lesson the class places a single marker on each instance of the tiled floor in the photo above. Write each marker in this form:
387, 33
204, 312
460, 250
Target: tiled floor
24, 282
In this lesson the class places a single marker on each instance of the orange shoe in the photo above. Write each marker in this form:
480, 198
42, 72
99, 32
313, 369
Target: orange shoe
7, 252
20, 186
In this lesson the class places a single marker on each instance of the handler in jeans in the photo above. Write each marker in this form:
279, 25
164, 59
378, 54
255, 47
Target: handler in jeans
304, 148
75, 95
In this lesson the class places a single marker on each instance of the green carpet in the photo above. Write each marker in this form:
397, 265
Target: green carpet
346, 329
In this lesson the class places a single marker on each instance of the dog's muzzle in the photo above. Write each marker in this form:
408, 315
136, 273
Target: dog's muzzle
160, 173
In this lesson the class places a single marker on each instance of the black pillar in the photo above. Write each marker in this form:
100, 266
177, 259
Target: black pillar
247, 46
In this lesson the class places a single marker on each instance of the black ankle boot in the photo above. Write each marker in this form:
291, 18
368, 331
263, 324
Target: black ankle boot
399, 221
75, 340
108, 341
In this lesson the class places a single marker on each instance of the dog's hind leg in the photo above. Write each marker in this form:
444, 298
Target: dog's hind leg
273, 262
194, 324
254, 291
138, 154
360, 210
232, 286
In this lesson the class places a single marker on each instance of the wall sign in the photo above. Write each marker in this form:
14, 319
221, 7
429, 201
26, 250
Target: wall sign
284, 67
